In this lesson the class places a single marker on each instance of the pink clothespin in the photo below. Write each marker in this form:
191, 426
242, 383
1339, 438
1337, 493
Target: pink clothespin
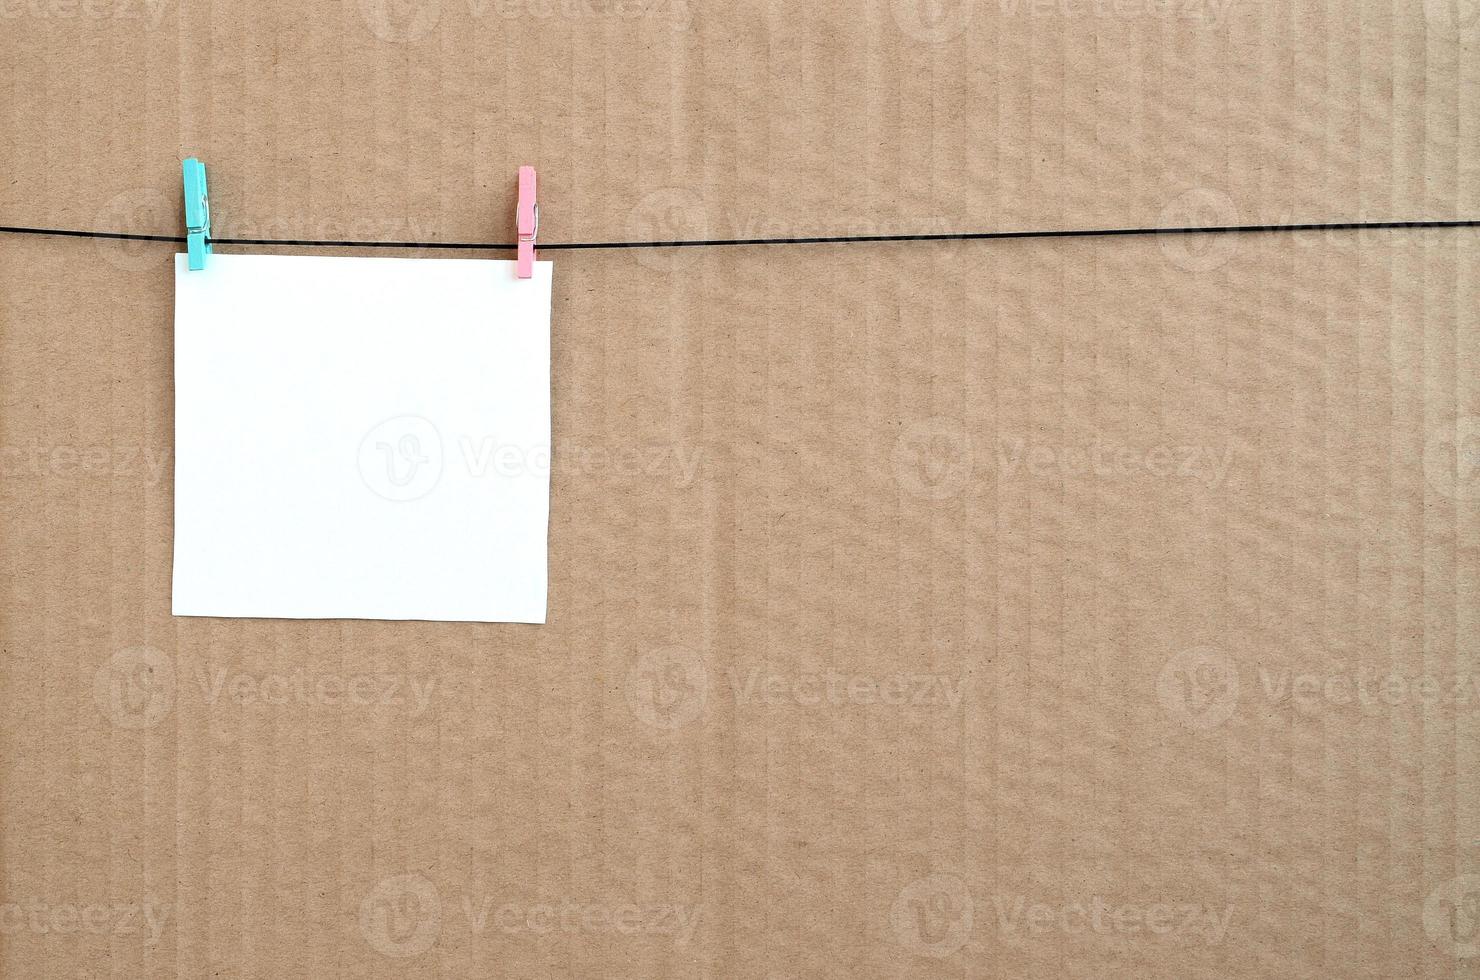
527, 220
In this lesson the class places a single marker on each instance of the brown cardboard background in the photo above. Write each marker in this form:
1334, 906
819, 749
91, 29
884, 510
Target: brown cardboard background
849, 513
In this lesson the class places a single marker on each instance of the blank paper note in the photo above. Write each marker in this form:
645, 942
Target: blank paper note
363, 438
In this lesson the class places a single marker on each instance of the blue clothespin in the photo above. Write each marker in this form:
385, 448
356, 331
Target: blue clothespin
197, 213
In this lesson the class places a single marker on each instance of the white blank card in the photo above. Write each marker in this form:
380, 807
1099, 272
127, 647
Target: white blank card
363, 438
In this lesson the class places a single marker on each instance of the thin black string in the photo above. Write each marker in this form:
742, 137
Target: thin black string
837, 240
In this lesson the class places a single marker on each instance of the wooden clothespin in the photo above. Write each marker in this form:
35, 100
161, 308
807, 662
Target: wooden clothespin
527, 222
197, 213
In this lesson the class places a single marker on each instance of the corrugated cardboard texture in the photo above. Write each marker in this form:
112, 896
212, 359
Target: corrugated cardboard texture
1093, 608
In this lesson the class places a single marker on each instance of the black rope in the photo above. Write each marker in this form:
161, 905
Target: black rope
837, 240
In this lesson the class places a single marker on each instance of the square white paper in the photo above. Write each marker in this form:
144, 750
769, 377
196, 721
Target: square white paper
363, 438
